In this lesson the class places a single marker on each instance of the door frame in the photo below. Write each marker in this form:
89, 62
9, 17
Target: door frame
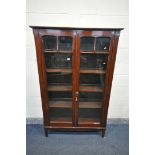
42, 73
38, 33
95, 33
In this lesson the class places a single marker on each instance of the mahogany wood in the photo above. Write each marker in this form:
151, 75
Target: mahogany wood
59, 70
90, 89
42, 78
75, 122
91, 71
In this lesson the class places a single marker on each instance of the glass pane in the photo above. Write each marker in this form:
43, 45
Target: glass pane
102, 43
57, 60
60, 104
91, 86
59, 77
93, 61
92, 79
87, 43
89, 96
60, 96
89, 115
65, 43
50, 42
60, 114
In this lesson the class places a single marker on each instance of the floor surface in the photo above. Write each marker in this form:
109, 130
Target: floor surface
115, 142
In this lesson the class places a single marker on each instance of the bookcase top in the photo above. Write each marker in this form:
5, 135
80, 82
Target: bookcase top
76, 28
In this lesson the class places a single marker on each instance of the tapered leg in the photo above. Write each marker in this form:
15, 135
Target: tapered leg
103, 133
46, 132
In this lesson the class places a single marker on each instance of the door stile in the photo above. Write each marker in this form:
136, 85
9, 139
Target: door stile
109, 77
74, 80
76, 70
42, 76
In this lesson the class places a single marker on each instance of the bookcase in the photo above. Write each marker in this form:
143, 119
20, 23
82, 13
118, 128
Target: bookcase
75, 67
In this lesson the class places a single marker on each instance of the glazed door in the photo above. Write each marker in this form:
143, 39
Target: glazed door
58, 50
93, 48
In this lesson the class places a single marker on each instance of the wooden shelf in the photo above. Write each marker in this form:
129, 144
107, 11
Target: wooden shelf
59, 88
90, 89
82, 120
93, 52
58, 52
60, 119
68, 104
92, 71
60, 104
55, 70
82, 71
90, 104
70, 52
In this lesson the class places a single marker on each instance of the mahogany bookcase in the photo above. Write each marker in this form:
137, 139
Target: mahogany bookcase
75, 67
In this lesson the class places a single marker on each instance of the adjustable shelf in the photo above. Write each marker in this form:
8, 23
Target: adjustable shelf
68, 104
92, 71
59, 88
90, 104
94, 52
58, 52
60, 104
61, 119
55, 70
89, 120
90, 89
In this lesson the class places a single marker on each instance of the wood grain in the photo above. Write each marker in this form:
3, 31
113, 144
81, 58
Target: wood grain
92, 71
55, 70
76, 121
